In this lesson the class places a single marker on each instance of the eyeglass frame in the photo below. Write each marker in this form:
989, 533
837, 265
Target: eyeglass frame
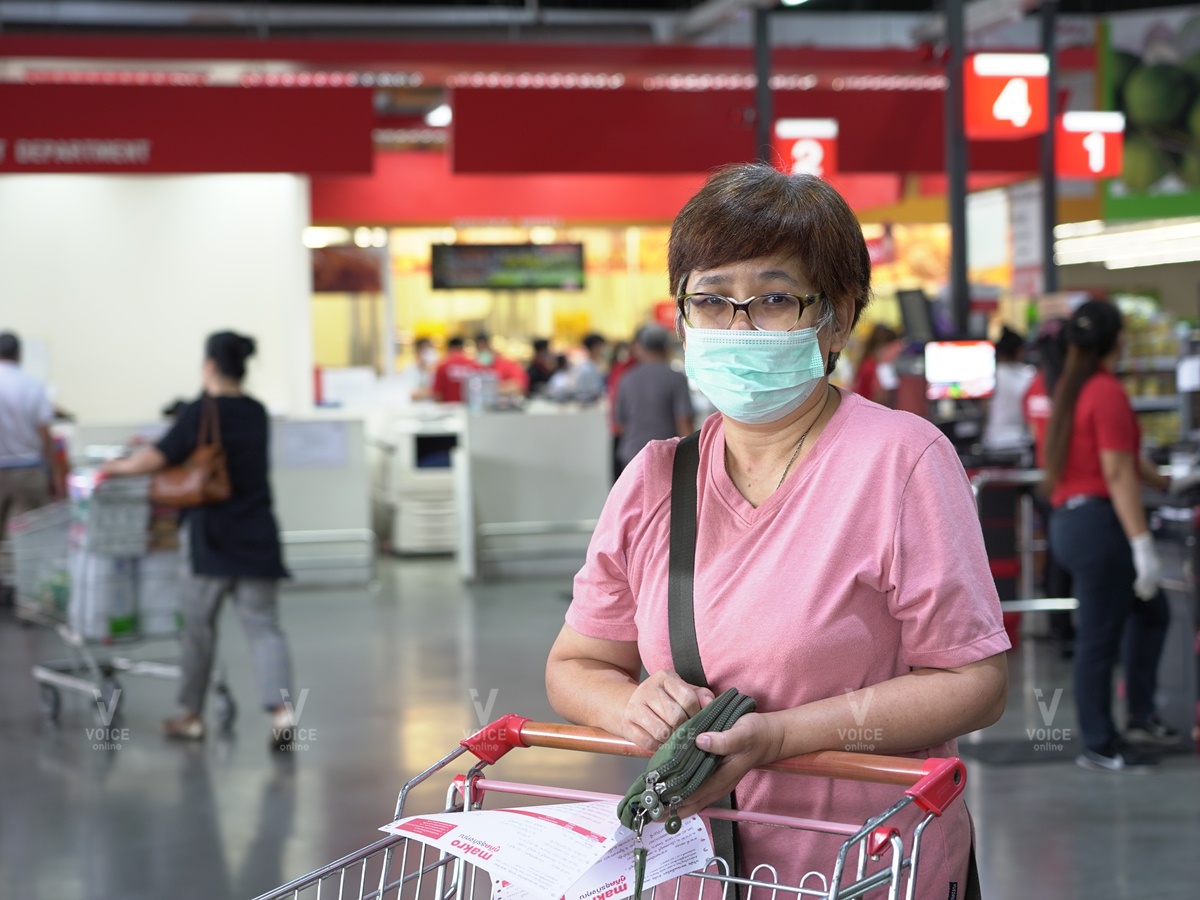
806, 300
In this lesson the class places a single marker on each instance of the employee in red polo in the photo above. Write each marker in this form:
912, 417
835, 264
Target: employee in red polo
452, 373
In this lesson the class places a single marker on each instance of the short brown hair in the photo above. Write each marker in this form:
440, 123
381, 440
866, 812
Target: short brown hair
749, 210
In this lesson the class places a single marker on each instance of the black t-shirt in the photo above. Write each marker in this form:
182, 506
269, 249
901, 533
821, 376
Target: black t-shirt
238, 538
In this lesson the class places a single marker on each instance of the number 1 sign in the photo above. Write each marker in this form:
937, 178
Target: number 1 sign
1089, 145
807, 146
1006, 95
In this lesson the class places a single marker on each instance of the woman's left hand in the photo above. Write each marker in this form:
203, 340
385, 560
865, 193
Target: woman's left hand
754, 740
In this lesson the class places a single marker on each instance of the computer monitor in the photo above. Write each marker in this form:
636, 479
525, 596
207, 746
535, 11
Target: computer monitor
917, 315
959, 370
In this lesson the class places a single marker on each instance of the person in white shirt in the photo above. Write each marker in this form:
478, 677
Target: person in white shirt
1006, 428
28, 467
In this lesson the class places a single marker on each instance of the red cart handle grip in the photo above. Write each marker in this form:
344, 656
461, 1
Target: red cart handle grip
932, 783
492, 741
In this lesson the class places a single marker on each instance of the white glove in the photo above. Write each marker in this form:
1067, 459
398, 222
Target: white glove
1145, 561
1184, 483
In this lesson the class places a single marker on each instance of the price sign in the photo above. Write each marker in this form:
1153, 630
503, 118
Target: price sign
1006, 95
1089, 145
807, 146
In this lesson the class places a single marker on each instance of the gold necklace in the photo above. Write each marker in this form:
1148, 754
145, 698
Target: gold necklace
800, 443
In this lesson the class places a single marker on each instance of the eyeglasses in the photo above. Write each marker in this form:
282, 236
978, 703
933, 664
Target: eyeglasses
768, 312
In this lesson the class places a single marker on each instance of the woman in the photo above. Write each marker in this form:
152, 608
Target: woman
233, 546
869, 380
821, 587
1099, 534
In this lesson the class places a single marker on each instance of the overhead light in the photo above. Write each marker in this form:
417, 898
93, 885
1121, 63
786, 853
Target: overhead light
440, 116
793, 2
317, 236
1157, 242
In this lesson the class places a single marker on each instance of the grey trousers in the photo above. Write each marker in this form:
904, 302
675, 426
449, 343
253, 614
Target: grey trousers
255, 602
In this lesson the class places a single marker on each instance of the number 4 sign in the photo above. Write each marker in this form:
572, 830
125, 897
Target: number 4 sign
806, 146
1006, 95
1089, 145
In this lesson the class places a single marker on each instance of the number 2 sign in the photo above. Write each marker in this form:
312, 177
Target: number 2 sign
807, 146
1006, 95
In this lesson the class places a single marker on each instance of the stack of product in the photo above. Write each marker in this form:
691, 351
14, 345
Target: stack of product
109, 522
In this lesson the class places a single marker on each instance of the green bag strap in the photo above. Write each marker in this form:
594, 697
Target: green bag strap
681, 615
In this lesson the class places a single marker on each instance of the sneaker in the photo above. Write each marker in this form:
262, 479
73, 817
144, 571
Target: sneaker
187, 727
283, 731
1150, 734
1123, 761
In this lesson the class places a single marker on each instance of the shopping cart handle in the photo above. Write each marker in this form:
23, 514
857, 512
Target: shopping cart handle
933, 783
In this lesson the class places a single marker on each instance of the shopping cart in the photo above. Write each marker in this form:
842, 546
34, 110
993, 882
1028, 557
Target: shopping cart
875, 860
82, 568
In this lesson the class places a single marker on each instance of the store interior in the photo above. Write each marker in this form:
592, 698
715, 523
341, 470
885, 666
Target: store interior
445, 170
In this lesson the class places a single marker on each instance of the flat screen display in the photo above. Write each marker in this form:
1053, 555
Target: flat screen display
507, 267
959, 370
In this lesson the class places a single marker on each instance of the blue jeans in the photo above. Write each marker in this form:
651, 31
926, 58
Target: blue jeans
1090, 544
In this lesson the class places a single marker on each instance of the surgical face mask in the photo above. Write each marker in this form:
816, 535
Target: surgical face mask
485, 357
429, 356
754, 376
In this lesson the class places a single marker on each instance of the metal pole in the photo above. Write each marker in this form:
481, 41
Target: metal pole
1049, 179
764, 115
956, 169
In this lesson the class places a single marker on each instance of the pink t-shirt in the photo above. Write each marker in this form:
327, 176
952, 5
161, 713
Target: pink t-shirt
866, 563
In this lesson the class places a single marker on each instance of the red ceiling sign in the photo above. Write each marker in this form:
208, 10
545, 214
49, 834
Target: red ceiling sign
1006, 95
138, 129
1089, 145
807, 146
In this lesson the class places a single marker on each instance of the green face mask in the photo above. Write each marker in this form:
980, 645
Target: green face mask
754, 376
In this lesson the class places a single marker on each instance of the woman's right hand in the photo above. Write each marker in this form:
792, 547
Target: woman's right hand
658, 706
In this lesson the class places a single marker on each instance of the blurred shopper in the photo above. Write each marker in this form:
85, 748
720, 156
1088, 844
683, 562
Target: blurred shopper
233, 546
417, 376
1099, 532
874, 377
1050, 349
1005, 427
540, 368
450, 377
622, 360
653, 401
588, 376
30, 471
510, 377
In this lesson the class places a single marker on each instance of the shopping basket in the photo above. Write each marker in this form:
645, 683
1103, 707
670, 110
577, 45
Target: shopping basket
875, 860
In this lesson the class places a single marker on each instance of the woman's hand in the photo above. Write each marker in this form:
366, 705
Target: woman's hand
754, 740
658, 706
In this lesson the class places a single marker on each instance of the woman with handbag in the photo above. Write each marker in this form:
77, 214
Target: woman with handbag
839, 574
214, 463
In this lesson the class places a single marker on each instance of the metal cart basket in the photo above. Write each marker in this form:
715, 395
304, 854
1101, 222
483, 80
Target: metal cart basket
82, 568
875, 860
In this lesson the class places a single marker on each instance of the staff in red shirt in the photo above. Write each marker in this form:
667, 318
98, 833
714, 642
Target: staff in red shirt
452, 373
510, 376
1099, 532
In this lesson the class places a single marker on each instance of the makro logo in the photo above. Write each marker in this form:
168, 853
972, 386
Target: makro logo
1048, 738
107, 737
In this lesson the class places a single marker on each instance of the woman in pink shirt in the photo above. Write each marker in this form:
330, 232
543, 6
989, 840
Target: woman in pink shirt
840, 574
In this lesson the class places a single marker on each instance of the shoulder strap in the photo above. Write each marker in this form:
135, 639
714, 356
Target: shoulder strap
681, 616
210, 423
681, 619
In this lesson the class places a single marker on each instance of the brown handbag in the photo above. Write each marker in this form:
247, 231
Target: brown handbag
202, 478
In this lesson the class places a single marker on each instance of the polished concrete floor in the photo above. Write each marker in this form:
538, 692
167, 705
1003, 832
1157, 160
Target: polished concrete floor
387, 681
